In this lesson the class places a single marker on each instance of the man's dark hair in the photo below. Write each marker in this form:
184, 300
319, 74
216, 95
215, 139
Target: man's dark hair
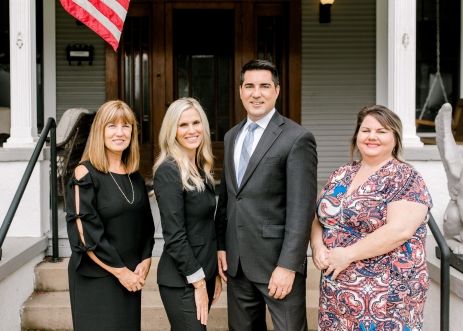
261, 65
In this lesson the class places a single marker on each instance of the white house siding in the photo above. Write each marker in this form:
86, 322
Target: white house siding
338, 75
77, 86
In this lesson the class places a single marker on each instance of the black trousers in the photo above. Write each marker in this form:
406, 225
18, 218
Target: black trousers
180, 306
247, 301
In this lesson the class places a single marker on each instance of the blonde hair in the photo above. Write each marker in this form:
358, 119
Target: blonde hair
111, 112
170, 148
388, 119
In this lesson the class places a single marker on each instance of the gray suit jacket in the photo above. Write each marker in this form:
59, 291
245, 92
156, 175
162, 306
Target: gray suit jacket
266, 221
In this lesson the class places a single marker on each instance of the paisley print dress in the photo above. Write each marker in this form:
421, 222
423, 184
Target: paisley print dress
386, 292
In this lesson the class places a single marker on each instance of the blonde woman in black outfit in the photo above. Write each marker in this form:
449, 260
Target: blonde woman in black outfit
183, 184
110, 226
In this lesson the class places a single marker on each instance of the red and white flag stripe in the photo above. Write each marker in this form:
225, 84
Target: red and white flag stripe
105, 17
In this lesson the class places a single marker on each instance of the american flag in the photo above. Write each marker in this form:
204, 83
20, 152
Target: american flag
105, 17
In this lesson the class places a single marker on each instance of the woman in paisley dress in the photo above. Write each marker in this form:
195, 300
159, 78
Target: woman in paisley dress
368, 237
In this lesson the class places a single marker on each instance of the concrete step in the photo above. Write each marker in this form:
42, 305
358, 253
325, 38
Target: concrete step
52, 311
54, 276
49, 308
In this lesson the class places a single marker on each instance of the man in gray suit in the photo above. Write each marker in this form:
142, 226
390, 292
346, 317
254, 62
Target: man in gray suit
266, 205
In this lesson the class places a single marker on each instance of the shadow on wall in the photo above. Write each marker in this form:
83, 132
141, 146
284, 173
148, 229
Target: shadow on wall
4, 105
4, 87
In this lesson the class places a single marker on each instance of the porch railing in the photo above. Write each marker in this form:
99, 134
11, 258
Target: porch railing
50, 127
445, 254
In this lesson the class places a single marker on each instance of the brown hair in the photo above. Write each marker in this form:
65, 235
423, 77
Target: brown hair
110, 112
388, 119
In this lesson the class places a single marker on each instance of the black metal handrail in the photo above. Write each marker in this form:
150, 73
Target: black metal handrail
445, 254
50, 127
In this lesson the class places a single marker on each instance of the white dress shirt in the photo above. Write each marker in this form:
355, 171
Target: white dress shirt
262, 124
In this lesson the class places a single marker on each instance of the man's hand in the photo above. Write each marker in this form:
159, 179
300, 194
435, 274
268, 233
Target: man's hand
281, 282
222, 264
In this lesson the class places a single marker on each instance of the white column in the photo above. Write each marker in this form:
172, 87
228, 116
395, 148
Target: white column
381, 52
23, 131
402, 66
49, 59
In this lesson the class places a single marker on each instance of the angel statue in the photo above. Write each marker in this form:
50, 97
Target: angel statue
453, 164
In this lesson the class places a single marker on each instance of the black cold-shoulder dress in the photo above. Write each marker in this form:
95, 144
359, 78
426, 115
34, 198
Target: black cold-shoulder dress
120, 234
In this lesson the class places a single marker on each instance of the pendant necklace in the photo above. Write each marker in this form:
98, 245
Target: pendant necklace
123, 194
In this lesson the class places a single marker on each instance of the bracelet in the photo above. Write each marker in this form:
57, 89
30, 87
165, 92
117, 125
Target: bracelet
199, 284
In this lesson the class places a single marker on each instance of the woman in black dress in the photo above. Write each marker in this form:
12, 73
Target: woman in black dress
184, 188
110, 226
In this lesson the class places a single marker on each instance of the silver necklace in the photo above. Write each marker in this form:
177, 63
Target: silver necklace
133, 192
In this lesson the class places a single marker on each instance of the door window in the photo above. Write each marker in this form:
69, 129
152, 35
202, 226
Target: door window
203, 57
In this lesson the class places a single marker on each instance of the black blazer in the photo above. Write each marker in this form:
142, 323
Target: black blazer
266, 221
187, 219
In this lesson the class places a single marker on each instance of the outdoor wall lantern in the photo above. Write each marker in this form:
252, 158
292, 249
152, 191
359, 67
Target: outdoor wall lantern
79, 53
324, 15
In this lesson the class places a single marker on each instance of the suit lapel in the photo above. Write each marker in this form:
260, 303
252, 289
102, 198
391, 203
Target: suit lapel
209, 185
231, 152
269, 136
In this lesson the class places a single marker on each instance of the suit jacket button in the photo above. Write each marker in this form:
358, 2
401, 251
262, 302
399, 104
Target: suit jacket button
238, 198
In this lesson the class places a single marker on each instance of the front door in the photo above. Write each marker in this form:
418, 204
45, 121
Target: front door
173, 49
203, 69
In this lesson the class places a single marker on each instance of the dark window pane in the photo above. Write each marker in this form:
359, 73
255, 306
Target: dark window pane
271, 43
203, 57
136, 83
427, 61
